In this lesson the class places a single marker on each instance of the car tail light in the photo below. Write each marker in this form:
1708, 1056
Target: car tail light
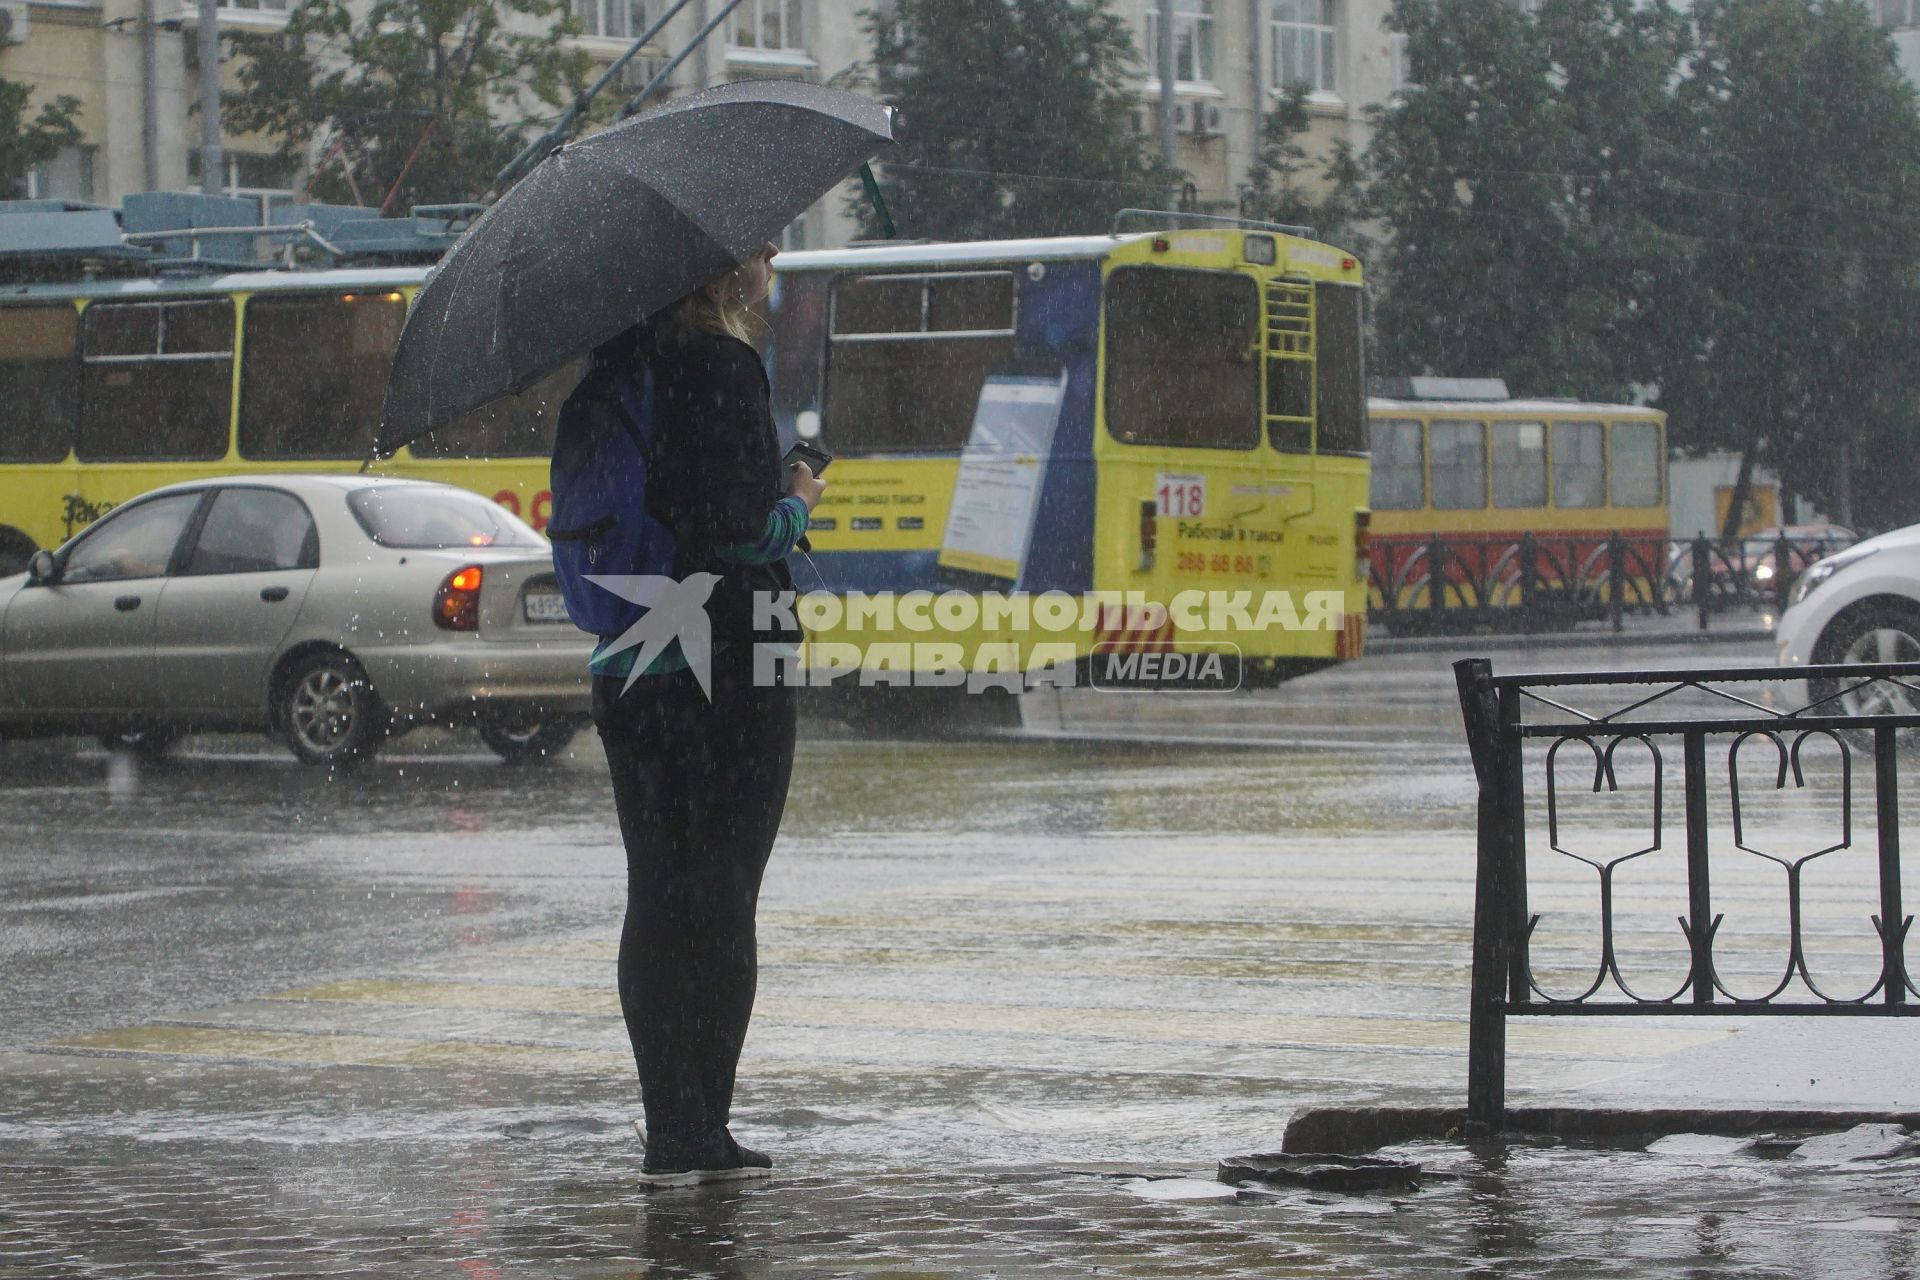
1362, 544
1149, 531
456, 605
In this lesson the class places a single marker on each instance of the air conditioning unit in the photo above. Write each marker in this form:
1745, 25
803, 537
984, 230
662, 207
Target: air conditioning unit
1183, 113
13, 23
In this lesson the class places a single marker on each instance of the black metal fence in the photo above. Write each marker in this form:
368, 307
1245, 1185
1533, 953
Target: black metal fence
1520, 728
1454, 583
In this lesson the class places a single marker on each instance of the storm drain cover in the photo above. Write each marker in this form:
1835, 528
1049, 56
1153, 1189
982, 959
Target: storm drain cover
1323, 1172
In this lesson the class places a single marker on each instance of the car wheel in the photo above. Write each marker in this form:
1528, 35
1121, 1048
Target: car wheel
327, 710
1876, 631
527, 736
148, 744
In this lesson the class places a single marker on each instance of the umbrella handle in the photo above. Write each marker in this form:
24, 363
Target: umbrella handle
887, 228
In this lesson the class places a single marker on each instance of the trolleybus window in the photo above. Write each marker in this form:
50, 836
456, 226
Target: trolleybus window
1519, 464
156, 379
39, 382
1338, 353
313, 370
1459, 451
1636, 464
1180, 358
907, 355
1579, 465
1399, 465
519, 426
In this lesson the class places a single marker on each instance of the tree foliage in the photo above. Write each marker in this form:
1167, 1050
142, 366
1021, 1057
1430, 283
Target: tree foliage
422, 101
1014, 118
29, 137
1798, 195
1278, 186
1713, 208
1513, 177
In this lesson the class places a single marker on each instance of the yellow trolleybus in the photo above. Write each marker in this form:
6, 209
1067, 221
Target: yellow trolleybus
1112, 418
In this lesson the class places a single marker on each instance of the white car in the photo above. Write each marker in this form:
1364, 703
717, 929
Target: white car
1857, 605
330, 610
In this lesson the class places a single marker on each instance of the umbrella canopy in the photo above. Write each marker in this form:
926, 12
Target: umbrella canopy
612, 228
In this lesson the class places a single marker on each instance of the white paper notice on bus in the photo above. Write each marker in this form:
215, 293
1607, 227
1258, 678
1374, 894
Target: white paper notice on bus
1002, 468
1180, 497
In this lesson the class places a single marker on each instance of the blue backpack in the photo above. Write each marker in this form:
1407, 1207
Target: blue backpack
599, 522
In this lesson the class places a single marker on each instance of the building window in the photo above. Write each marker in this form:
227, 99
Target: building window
1397, 61
612, 19
67, 175
265, 180
768, 24
254, 6
1303, 45
1192, 40
1895, 14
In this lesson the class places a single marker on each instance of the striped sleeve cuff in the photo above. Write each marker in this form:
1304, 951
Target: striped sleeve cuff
786, 525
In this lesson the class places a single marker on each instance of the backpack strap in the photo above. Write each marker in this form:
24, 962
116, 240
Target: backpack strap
635, 407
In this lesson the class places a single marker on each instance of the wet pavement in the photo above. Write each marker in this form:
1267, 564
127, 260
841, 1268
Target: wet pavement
1016, 994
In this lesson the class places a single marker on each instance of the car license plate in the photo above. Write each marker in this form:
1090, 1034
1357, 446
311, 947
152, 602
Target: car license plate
544, 606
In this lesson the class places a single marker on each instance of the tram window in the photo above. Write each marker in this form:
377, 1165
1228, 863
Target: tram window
39, 382
1399, 465
1459, 453
1519, 464
519, 426
313, 371
1180, 358
1636, 464
908, 355
1579, 465
1340, 350
156, 379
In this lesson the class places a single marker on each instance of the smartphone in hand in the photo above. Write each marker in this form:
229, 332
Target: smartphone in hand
815, 457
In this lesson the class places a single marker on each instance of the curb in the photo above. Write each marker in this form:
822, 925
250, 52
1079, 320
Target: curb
1357, 1130
1473, 644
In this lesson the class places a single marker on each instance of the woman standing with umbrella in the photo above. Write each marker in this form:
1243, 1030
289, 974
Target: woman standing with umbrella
700, 786
674, 204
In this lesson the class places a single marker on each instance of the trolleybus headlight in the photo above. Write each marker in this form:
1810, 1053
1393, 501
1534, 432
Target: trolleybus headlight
1820, 570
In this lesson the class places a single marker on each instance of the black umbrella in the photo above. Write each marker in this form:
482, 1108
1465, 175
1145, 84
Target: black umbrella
612, 228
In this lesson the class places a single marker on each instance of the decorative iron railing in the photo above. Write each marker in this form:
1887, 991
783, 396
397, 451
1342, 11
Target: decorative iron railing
1526, 732
1453, 583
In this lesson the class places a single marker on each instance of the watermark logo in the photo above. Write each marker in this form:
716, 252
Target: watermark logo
1122, 668
675, 610
973, 640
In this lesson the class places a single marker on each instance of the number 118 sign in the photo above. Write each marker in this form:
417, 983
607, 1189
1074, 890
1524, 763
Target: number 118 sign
1181, 497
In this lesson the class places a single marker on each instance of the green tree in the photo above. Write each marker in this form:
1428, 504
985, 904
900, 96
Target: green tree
1514, 179
409, 101
29, 137
1014, 118
1278, 189
1792, 336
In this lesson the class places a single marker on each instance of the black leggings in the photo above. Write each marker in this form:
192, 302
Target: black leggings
700, 788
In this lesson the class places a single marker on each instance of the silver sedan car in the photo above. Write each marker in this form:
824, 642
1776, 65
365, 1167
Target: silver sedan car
329, 610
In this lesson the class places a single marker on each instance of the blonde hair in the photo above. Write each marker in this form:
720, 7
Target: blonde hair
701, 312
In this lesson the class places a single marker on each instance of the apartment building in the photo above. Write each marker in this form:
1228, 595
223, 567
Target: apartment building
132, 65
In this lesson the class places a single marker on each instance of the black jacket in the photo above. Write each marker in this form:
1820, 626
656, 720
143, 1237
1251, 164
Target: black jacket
715, 473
